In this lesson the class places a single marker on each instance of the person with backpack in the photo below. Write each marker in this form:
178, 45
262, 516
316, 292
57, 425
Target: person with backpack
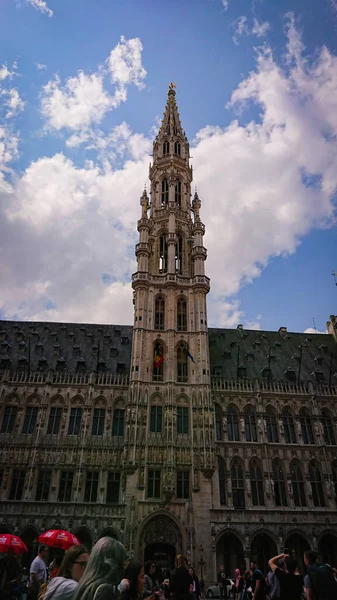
291, 585
319, 582
259, 587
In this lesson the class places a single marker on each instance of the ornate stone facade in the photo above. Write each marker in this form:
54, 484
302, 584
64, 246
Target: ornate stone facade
169, 435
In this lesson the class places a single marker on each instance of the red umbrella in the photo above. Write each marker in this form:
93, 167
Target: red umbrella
58, 538
13, 543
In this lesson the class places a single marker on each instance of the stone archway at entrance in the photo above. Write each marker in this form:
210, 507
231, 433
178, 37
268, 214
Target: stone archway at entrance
296, 545
262, 548
327, 549
160, 540
230, 553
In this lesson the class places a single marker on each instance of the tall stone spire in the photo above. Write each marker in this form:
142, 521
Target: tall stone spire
170, 124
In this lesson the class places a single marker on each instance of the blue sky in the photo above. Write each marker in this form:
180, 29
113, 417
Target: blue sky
82, 87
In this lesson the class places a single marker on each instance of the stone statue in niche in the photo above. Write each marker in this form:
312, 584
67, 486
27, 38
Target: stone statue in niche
309, 488
229, 485
224, 424
281, 427
290, 487
242, 424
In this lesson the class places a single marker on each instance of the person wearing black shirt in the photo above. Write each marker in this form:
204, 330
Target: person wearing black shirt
291, 585
222, 583
258, 582
181, 582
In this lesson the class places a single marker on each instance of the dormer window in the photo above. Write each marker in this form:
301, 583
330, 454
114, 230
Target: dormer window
42, 364
177, 148
166, 148
266, 373
60, 364
319, 359
290, 374
319, 375
242, 372
81, 365
227, 355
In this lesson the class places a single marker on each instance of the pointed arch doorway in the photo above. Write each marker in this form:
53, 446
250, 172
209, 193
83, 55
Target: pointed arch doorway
160, 541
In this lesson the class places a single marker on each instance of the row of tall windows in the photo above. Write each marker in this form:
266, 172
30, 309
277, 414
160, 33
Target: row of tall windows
181, 364
66, 486
246, 426
166, 148
281, 486
163, 254
99, 419
54, 420
159, 314
165, 192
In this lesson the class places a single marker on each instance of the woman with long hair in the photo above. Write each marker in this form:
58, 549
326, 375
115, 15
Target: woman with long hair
104, 571
150, 579
134, 574
63, 586
196, 593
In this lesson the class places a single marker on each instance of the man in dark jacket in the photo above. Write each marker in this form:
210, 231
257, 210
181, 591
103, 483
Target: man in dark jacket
319, 582
181, 582
222, 583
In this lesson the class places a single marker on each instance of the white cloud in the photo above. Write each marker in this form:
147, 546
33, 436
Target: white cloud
5, 72
260, 29
119, 143
241, 27
225, 4
41, 6
83, 102
40, 66
125, 63
12, 101
264, 186
312, 330
80, 102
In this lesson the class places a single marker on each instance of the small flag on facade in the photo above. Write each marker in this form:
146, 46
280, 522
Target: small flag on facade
158, 357
190, 355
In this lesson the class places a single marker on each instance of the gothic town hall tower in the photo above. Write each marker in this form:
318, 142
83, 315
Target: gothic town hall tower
170, 460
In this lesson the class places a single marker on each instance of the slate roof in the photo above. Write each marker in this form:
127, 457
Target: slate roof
234, 353
251, 353
71, 347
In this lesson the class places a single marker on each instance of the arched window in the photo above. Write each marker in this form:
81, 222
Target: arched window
238, 485
166, 147
329, 427
177, 193
233, 425
164, 192
272, 430
158, 362
179, 254
297, 481
182, 363
256, 483
316, 485
289, 427
177, 148
279, 484
222, 480
181, 315
306, 426
162, 254
250, 425
218, 423
159, 315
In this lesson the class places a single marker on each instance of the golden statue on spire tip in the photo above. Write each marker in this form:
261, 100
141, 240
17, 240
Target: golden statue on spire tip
172, 86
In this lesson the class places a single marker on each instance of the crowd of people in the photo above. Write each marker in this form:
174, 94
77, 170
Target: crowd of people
106, 574
282, 582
